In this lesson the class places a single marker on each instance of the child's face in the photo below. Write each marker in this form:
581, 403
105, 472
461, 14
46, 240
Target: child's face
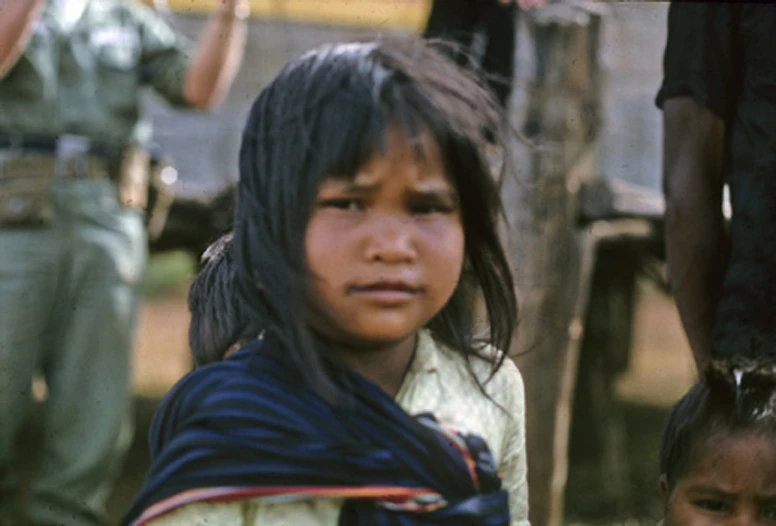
386, 249
731, 481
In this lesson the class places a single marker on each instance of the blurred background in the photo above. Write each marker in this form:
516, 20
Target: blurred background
203, 148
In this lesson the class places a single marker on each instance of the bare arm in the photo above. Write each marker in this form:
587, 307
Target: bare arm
16, 21
218, 55
696, 243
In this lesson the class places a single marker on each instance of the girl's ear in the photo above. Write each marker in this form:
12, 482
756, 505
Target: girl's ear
662, 486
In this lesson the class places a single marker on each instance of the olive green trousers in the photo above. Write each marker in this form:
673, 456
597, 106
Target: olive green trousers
68, 302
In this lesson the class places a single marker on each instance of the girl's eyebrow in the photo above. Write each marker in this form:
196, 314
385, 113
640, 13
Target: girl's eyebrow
435, 194
435, 188
706, 489
355, 186
432, 190
440, 189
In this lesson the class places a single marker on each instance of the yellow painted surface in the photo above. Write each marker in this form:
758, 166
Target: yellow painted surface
394, 14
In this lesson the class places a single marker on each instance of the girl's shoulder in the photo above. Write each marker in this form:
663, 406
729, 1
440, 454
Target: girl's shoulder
469, 397
505, 386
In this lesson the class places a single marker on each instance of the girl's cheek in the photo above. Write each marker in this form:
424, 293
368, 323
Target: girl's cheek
339, 220
327, 223
445, 233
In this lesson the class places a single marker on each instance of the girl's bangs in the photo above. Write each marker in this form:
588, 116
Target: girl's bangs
351, 127
343, 133
353, 99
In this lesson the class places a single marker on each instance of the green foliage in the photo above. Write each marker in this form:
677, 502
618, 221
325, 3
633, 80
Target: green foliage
166, 273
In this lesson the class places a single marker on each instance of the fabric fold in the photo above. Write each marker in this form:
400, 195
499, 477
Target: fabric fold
247, 427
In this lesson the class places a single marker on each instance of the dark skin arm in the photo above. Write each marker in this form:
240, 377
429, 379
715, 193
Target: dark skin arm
696, 242
16, 22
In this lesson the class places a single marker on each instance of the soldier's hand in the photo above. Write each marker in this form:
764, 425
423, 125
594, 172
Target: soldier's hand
240, 8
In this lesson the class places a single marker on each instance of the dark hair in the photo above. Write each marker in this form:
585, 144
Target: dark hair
710, 408
218, 321
326, 113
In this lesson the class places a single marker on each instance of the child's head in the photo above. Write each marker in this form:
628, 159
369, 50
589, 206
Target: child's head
367, 208
218, 318
718, 460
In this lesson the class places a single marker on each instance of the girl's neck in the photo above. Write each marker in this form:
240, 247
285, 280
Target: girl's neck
385, 366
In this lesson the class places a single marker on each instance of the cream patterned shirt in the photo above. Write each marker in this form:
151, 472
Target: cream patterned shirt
438, 383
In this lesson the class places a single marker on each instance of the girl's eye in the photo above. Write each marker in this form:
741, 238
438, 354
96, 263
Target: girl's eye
769, 513
342, 204
426, 209
712, 505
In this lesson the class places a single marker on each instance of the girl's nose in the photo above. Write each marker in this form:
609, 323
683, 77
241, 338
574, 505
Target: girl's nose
390, 240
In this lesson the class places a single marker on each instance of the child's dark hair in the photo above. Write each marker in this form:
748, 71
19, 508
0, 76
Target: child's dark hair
218, 320
712, 407
324, 115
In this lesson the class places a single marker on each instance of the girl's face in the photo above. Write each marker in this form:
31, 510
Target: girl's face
731, 481
385, 249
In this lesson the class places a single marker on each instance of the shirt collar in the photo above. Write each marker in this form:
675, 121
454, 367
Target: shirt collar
424, 362
69, 12
426, 354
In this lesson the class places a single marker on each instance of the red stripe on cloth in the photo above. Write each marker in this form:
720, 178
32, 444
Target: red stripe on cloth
392, 494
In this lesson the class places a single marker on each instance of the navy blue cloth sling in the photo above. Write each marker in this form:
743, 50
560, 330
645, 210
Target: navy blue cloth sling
248, 427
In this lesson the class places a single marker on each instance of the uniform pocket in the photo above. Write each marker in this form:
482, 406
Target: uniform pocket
116, 49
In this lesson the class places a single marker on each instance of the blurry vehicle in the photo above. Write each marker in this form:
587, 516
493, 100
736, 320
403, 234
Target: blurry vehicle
176, 221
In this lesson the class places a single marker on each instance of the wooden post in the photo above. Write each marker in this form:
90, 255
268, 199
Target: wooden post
553, 257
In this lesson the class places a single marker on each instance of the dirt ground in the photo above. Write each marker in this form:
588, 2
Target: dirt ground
660, 372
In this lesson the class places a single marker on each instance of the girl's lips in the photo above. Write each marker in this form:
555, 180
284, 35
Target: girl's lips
387, 293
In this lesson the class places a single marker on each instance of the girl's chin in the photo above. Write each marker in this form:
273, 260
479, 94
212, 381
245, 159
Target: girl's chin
370, 341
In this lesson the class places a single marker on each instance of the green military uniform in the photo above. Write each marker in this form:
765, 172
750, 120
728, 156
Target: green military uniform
68, 285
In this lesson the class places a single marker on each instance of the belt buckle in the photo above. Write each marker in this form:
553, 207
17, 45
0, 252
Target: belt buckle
70, 155
71, 145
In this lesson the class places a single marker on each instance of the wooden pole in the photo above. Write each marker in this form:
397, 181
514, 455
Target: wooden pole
553, 257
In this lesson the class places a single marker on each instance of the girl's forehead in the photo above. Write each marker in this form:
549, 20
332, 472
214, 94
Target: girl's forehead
404, 159
411, 158
420, 144
736, 447
740, 464
408, 172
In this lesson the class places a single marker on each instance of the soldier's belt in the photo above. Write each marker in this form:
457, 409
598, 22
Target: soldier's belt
29, 165
69, 156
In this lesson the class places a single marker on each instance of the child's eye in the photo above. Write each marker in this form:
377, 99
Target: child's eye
342, 204
712, 505
769, 513
425, 209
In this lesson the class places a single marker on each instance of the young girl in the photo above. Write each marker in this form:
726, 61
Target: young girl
365, 237
718, 454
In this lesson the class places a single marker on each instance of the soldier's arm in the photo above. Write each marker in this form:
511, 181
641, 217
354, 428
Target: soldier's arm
696, 242
16, 22
217, 56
